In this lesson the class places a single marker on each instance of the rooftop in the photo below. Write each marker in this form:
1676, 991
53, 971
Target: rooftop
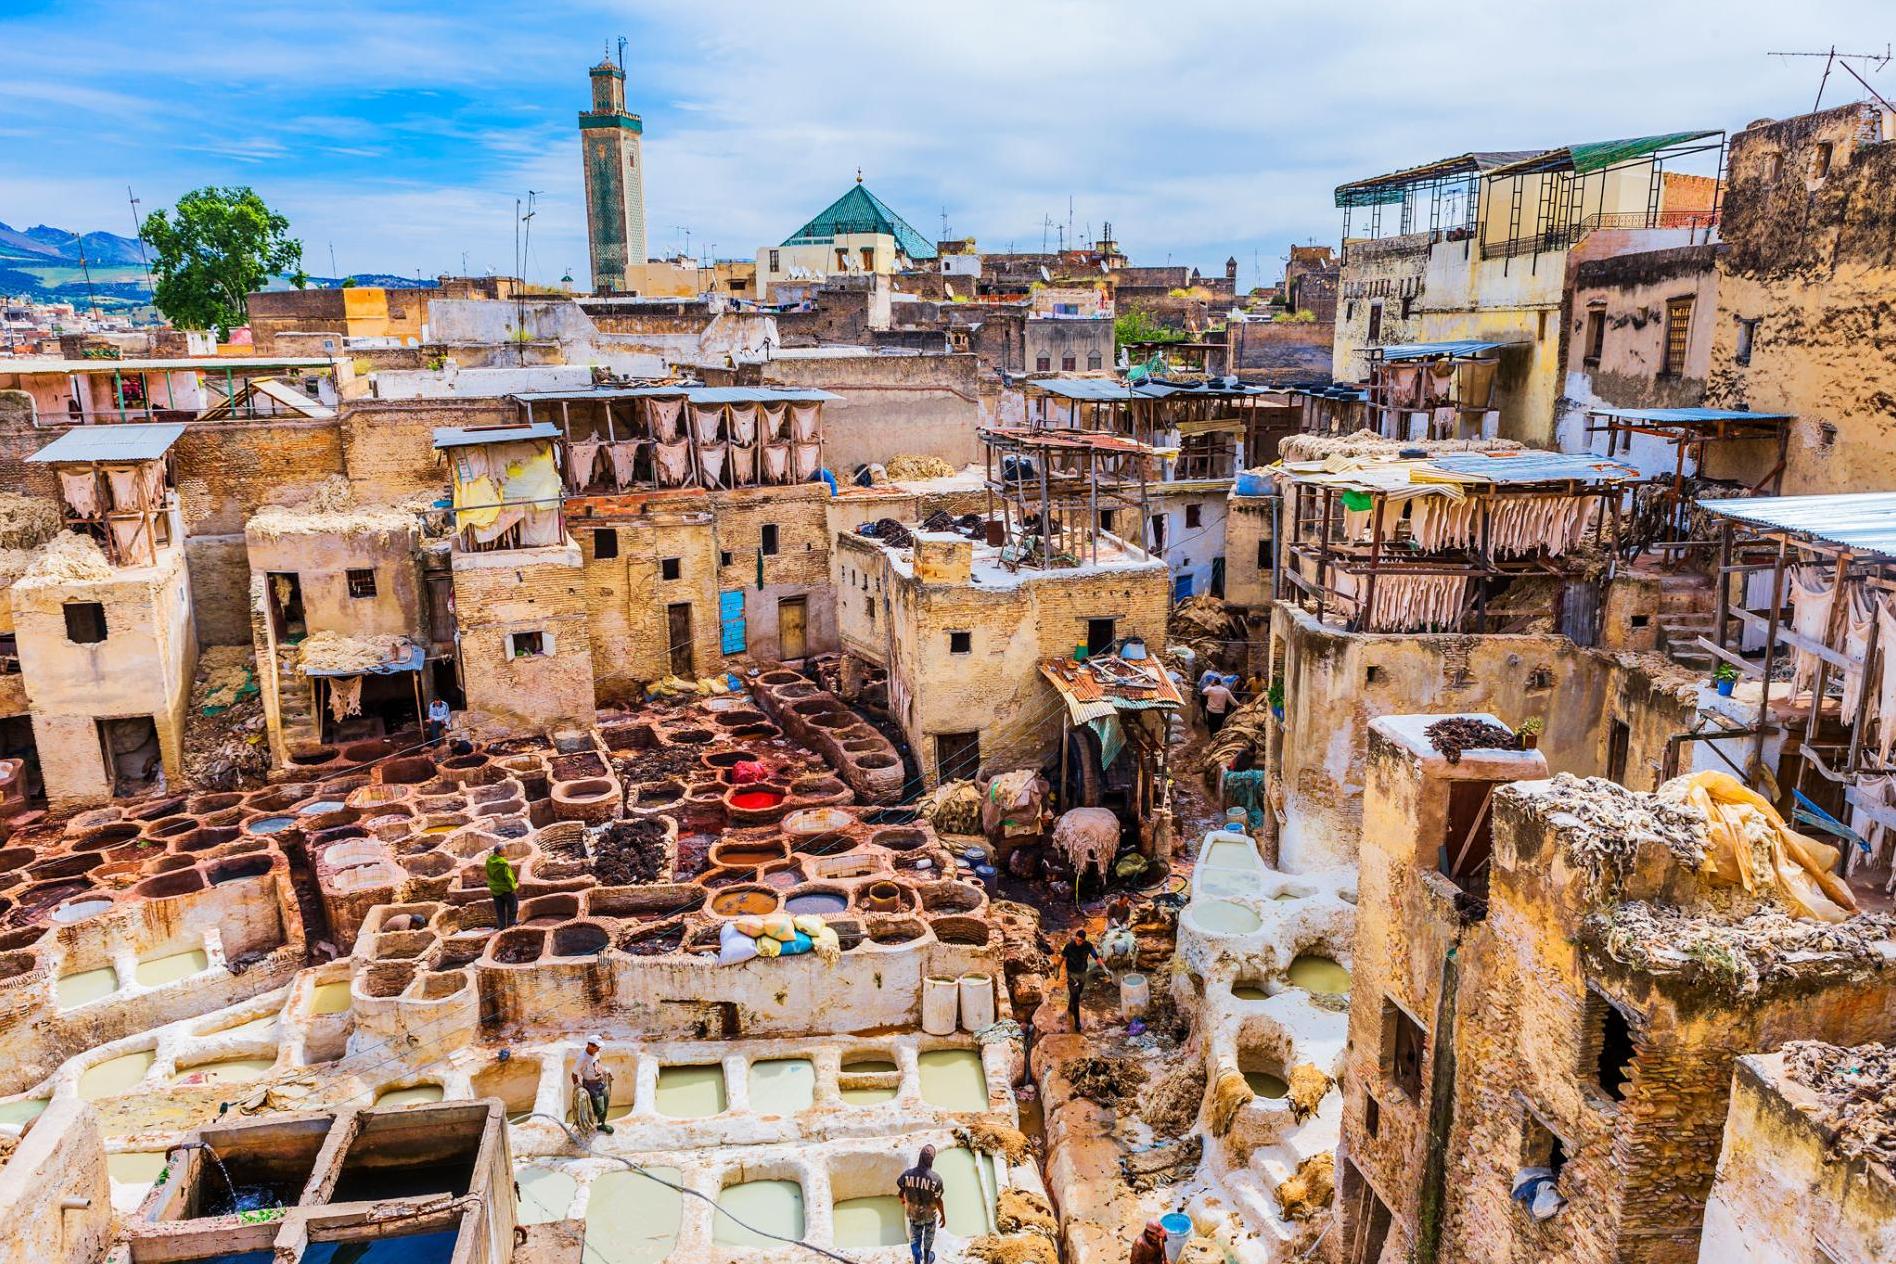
1862, 522
179, 364
130, 441
469, 436
860, 211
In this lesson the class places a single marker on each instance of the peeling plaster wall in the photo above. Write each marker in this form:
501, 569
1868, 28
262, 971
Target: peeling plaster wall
1812, 259
1782, 1183
524, 590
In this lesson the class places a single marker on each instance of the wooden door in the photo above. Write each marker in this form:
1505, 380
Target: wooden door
678, 636
793, 639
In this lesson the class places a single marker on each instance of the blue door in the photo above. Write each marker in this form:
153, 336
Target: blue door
1181, 587
731, 621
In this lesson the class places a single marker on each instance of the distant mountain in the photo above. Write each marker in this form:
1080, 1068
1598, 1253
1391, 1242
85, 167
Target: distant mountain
43, 243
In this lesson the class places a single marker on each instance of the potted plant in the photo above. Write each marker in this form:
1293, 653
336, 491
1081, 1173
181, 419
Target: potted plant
1724, 676
1529, 732
1275, 696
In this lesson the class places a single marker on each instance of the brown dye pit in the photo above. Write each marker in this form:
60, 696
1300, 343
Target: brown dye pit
744, 901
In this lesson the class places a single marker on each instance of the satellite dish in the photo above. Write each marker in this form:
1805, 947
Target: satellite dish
1046, 275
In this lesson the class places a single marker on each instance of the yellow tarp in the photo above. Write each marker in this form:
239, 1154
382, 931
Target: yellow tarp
503, 478
1752, 847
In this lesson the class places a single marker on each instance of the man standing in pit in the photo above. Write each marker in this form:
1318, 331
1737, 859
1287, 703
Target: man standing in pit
1074, 956
590, 1076
504, 885
920, 1190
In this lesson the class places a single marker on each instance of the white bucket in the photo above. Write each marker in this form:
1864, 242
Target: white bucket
1135, 994
938, 1006
977, 1001
1178, 1231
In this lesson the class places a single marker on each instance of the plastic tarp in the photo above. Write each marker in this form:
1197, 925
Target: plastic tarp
1800, 868
497, 485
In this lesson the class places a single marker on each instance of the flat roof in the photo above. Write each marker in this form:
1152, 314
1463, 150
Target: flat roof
693, 394
469, 436
111, 441
1437, 473
1106, 390
1687, 416
1862, 522
179, 365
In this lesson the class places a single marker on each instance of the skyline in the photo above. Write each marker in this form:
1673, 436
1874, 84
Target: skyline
396, 135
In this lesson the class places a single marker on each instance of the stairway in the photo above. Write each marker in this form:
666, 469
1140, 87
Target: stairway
297, 721
1687, 611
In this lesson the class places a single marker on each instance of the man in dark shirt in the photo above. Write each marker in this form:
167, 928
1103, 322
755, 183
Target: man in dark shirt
1149, 1247
920, 1190
1074, 955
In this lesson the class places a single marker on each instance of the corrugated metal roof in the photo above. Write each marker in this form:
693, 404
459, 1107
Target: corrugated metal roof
1102, 390
411, 660
1089, 695
468, 436
694, 394
1863, 522
1432, 350
183, 364
1389, 188
1688, 416
1532, 465
1599, 155
129, 441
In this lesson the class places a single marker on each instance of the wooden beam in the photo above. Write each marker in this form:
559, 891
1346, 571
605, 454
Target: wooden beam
1799, 641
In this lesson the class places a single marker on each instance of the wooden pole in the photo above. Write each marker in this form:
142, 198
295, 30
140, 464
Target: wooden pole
1723, 613
1770, 652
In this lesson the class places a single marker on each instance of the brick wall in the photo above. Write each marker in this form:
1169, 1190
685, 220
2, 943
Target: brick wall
627, 597
524, 590
389, 444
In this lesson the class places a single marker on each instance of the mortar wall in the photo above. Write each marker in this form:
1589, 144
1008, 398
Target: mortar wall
524, 590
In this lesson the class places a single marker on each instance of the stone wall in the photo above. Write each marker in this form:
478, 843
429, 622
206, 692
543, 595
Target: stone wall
628, 596
926, 405
513, 591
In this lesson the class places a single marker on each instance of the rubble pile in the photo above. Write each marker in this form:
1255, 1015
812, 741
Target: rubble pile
1458, 733
1602, 823
1858, 1088
226, 744
1737, 955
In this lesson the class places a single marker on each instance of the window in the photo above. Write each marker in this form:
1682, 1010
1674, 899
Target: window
769, 540
1773, 166
1539, 1146
1403, 1045
1608, 1049
1093, 360
1372, 674
724, 557
961, 642
869, 608
1372, 1116
1468, 838
362, 583
1158, 531
1193, 515
1820, 161
1596, 334
670, 568
1826, 434
528, 645
957, 755
776, 264
1678, 325
1100, 633
1408, 305
85, 622
868, 254
1619, 741
1069, 363
1747, 338
1542, 678
1043, 364
1263, 555
1375, 323
605, 544
1106, 519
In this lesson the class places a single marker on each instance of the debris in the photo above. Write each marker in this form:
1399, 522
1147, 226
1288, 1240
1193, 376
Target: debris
1205, 624
1311, 1189
70, 557
1738, 955
1024, 1211
1458, 733
1164, 1164
1309, 1085
630, 852
1230, 1093
1602, 824
1109, 1081
906, 467
1019, 1248
993, 1138
1858, 1089
225, 739
1170, 1104
889, 531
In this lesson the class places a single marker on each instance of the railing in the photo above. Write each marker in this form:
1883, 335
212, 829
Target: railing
1567, 234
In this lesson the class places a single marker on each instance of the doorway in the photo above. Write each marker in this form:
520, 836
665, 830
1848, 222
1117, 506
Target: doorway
678, 637
1619, 742
957, 756
132, 757
793, 637
16, 742
286, 606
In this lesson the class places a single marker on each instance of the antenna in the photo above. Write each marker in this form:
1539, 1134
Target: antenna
1046, 226
138, 230
1833, 58
332, 262
944, 223
92, 299
622, 54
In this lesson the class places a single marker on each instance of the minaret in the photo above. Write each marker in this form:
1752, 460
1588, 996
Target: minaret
615, 184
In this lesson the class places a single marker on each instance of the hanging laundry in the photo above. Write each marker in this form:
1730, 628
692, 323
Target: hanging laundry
1811, 601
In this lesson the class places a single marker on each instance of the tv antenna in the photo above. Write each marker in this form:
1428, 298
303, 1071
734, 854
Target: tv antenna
1046, 226
92, 299
1833, 58
138, 230
686, 230
622, 54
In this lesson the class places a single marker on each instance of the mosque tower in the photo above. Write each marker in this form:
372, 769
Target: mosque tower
609, 138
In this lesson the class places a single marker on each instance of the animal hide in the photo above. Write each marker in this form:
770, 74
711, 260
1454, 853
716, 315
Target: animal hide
581, 456
1088, 838
1811, 598
663, 416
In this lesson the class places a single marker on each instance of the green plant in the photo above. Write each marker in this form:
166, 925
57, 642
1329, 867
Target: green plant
1724, 671
1275, 695
260, 1215
214, 249
1533, 726
1136, 325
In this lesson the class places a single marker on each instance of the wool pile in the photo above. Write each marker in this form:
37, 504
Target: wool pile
1858, 1090
68, 558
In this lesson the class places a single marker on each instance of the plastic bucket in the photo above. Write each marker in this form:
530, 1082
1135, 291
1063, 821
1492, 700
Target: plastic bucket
1135, 995
1178, 1231
939, 1005
977, 1001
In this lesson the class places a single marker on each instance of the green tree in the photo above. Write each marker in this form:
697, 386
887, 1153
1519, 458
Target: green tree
212, 251
1134, 324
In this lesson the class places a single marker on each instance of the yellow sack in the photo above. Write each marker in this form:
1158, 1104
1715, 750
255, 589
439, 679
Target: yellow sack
809, 923
1800, 868
752, 926
827, 947
779, 926
768, 947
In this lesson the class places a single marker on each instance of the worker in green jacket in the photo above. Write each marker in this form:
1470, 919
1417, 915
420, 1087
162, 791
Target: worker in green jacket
504, 886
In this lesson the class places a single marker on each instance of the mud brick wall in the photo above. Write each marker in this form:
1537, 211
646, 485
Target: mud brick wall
627, 597
524, 590
225, 470
388, 445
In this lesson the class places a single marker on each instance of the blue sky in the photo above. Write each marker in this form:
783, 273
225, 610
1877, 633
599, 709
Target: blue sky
401, 133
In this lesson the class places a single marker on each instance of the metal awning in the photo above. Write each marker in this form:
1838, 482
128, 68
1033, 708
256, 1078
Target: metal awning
691, 394
469, 436
1687, 416
1600, 155
1453, 350
127, 441
1109, 390
1862, 522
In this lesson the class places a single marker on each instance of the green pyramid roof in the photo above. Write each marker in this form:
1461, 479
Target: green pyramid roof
860, 211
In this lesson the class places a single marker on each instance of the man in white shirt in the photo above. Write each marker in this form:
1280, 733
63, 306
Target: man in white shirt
1219, 702
590, 1076
438, 716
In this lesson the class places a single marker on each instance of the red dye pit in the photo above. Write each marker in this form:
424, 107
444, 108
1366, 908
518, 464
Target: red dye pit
752, 800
